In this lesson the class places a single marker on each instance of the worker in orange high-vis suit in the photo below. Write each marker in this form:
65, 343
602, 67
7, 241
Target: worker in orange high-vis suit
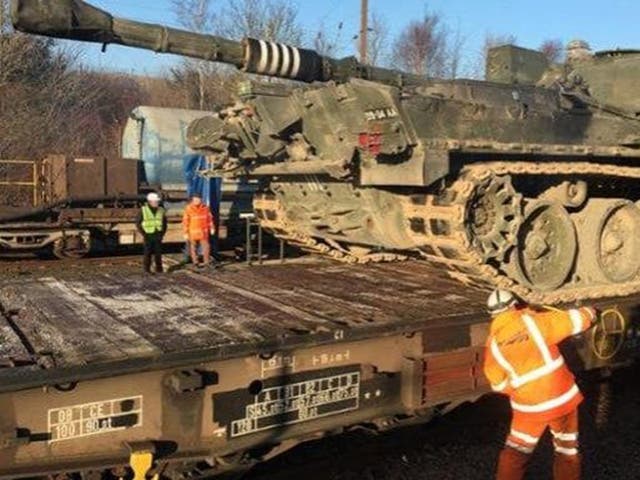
522, 360
198, 226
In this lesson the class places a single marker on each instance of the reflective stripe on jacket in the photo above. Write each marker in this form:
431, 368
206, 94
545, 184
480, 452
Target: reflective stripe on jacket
197, 220
152, 222
523, 360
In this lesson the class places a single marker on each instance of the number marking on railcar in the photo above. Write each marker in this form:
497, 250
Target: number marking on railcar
299, 402
76, 421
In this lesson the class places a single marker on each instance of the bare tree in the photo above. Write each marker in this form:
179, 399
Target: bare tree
429, 47
203, 83
553, 50
331, 42
196, 91
274, 20
194, 15
328, 43
378, 49
455, 48
56, 106
195, 76
491, 40
421, 47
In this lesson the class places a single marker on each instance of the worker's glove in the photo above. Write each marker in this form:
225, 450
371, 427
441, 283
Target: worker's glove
213, 231
186, 237
596, 316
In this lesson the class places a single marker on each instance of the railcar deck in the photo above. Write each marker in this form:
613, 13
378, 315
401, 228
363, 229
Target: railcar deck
61, 329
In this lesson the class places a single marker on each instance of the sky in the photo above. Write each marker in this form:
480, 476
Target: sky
604, 25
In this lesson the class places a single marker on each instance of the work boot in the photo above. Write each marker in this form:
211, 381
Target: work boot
566, 467
512, 464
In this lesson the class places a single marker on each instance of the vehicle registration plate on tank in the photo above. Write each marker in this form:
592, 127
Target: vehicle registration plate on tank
76, 421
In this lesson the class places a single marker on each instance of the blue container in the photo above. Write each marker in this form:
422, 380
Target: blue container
157, 137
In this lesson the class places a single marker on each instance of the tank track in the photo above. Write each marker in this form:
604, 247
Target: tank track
480, 271
271, 213
453, 250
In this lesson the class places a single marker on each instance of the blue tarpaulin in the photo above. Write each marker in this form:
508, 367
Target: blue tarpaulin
209, 188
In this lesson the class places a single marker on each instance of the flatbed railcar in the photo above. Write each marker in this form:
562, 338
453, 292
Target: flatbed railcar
191, 374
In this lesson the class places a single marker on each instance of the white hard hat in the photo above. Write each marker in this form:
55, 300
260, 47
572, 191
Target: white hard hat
153, 197
500, 300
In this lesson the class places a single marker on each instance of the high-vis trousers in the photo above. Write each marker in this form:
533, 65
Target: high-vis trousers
523, 438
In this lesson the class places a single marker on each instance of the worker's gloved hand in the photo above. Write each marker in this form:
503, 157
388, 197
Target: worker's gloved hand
186, 237
595, 313
595, 316
213, 231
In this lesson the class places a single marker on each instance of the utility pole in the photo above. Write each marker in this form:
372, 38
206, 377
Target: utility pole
364, 30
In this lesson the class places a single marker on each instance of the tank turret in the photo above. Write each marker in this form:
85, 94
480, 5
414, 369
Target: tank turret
77, 20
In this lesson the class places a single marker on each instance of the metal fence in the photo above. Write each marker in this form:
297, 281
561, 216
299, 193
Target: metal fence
18, 183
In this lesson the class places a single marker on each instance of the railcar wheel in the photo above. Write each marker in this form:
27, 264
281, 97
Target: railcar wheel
72, 246
547, 246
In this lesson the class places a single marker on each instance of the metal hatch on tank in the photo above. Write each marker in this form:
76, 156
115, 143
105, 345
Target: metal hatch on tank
527, 181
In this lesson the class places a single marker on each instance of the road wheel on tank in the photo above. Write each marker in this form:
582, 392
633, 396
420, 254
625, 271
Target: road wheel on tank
619, 242
609, 233
547, 246
494, 214
72, 246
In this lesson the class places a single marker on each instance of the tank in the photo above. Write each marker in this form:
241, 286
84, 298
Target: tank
527, 181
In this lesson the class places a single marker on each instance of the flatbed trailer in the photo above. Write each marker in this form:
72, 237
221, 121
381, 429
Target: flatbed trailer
189, 374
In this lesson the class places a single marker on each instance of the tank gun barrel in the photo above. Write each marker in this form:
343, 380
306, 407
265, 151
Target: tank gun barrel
77, 20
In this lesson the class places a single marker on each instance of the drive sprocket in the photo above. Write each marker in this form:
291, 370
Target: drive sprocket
493, 216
